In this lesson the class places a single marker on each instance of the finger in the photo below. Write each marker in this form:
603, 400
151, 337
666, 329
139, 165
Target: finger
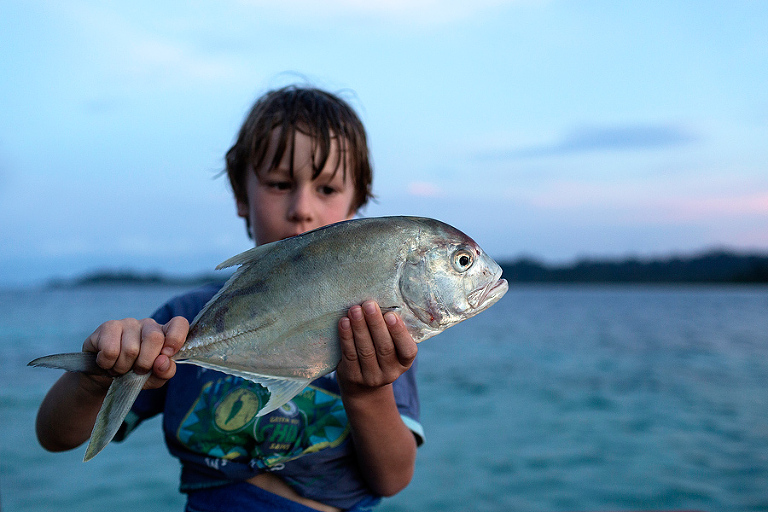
380, 335
348, 364
152, 338
105, 342
91, 342
130, 345
176, 331
163, 369
364, 347
405, 346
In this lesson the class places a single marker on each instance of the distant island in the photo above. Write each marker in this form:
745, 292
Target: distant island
711, 267
135, 278
714, 267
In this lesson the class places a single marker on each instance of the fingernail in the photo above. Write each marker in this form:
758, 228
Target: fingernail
356, 313
344, 324
370, 307
167, 351
390, 318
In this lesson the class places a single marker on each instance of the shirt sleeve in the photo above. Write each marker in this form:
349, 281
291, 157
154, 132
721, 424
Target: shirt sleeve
407, 400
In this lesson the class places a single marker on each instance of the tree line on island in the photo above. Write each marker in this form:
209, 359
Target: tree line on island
711, 267
123, 277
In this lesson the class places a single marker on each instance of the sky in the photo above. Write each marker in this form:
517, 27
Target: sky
557, 130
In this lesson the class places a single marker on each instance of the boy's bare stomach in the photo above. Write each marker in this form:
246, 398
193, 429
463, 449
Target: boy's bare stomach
276, 485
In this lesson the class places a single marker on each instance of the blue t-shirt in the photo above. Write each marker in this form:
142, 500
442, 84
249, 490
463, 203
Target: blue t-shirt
210, 424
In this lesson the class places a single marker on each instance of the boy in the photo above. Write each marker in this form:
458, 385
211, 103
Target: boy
300, 162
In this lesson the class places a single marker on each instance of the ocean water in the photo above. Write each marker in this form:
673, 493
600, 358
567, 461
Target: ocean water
556, 399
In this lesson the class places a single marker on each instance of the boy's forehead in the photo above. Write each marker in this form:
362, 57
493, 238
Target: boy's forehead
289, 160
329, 173
301, 131
333, 169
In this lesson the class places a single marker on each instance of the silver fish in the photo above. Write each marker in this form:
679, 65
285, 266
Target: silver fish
275, 321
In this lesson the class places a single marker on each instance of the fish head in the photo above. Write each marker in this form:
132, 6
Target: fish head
448, 278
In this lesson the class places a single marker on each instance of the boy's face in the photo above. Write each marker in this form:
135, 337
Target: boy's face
280, 205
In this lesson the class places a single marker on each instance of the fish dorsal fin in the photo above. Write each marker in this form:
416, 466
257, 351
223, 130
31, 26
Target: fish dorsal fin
262, 251
251, 255
248, 256
281, 389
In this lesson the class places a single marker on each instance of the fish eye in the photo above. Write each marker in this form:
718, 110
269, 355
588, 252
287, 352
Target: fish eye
462, 260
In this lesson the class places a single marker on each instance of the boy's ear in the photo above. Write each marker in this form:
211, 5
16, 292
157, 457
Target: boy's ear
351, 215
242, 209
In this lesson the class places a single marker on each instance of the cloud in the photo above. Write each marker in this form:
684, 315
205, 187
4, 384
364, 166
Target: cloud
424, 189
113, 42
612, 138
420, 12
673, 203
745, 205
174, 61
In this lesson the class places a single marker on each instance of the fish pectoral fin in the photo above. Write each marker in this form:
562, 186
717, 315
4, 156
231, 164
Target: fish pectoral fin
120, 397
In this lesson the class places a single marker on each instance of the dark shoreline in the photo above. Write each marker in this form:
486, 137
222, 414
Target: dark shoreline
135, 278
714, 267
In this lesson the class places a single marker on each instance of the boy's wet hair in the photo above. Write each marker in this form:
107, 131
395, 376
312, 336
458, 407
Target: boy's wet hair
319, 114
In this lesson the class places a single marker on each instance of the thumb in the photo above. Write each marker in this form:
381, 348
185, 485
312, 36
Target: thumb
176, 331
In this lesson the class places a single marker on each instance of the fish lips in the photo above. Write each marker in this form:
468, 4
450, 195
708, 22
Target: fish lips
488, 295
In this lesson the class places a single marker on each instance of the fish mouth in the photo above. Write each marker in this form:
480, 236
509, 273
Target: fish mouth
489, 294
495, 292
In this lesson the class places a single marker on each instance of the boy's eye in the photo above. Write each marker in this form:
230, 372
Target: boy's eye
279, 185
327, 190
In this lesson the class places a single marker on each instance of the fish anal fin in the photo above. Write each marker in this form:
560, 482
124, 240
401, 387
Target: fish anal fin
280, 392
281, 389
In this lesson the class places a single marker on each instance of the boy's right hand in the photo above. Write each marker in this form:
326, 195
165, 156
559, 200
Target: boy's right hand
138, 345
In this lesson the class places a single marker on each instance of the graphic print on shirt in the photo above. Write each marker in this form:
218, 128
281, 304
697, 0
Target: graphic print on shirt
222, 423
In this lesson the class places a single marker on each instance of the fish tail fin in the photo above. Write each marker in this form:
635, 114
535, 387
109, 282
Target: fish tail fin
72, 362
120, 397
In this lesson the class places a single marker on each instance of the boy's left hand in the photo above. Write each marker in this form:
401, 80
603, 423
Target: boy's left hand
376, 348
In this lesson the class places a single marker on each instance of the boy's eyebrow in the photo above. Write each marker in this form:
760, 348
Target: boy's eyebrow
333, 175
282, 172
275, 172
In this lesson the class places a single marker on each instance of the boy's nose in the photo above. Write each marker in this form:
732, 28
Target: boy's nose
301, 206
